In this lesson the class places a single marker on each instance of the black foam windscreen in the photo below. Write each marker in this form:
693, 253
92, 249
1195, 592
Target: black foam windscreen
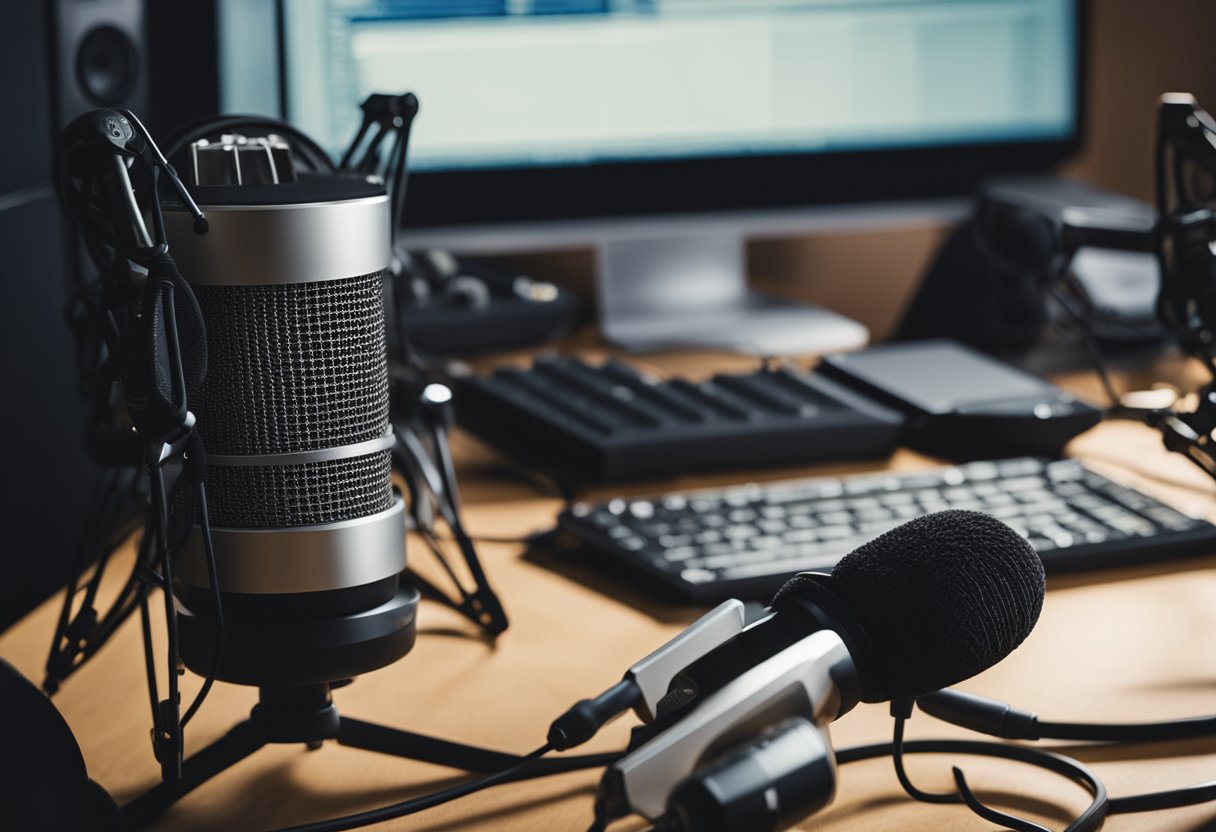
939, 599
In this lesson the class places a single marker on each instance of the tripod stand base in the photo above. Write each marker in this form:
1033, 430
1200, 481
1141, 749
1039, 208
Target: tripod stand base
307, 715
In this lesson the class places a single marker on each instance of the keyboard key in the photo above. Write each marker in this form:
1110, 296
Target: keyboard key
836, 533
772, 526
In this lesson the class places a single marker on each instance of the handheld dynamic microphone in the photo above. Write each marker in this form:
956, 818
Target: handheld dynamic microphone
924, 606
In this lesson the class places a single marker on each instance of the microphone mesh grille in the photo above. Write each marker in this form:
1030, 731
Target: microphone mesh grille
293, 367
284, 496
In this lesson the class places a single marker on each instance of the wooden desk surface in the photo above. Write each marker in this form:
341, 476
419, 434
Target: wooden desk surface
1132, 644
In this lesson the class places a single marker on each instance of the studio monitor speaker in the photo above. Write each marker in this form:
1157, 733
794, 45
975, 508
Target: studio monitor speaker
100, 56
58, 59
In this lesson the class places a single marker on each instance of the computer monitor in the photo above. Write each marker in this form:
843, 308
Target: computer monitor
664, 132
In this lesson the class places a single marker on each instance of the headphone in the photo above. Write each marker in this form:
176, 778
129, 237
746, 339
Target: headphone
434, 278
50, 787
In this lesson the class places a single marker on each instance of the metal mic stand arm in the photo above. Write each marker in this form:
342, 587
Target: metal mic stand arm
435, 480
1190, 434
391, 116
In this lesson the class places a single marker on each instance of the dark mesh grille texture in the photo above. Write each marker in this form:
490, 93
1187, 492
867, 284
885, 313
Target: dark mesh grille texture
941, 598
293, 367
276, 497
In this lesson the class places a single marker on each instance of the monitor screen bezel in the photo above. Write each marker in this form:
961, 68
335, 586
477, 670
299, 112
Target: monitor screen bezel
537, 194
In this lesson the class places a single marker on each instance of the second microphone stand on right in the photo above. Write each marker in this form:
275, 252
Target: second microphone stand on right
1186, 233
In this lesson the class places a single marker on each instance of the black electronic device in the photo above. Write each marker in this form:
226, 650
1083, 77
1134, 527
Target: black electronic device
744, 541
1000, 278
101, 55
447, 305
962, 404
609, 422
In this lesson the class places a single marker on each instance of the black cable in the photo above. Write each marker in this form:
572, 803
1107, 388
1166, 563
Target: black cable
1088, 821
901, 774
1172, 799
1130, 732
217, 600
1092, 347
988, 813
996, 718
149, 666
408, 807
170, 723
530, 539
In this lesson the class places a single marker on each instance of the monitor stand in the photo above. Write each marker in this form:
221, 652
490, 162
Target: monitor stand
692, 292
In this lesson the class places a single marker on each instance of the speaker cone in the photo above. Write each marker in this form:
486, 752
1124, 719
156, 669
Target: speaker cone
106, 65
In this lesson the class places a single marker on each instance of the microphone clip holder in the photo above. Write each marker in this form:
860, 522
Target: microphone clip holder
161, 450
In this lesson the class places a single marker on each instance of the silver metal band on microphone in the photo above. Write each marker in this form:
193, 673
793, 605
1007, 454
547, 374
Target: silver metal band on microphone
332, 556
257, 245
371, 446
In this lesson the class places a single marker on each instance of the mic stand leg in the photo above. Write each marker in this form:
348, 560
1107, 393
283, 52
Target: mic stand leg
239, 743
307, 715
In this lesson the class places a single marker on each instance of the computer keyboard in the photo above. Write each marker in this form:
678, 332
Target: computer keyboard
746, 541
608, 422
